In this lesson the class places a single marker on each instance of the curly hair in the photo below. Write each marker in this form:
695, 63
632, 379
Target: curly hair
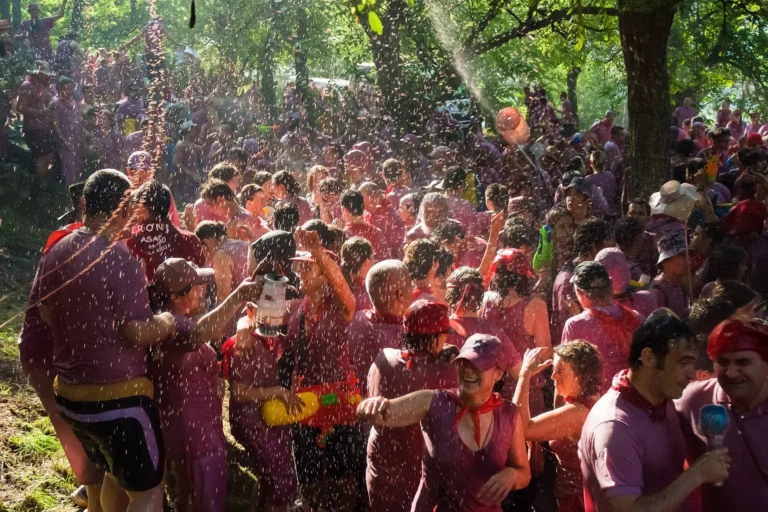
587, 365
466, 283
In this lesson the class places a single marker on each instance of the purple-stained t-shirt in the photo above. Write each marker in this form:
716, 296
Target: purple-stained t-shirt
682, 113
132, 143
68, 118
613, 159
129, 108
585, 326
669, 295
602, 130
562, 290
362, 299
36, 339
395, 454
39, 36
99, 286
452, 474
203, 212
463, 211
35, 99
758, 252
392, 229
746, 487
322, 354
238, 251
369, 232
624, 452
367, 337
187, 394
641, 301
607, 183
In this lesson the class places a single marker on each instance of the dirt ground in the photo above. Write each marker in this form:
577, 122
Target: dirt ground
34, 473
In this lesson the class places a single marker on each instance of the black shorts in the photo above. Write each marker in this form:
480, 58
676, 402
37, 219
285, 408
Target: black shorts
40, 142
343, 454
122, 436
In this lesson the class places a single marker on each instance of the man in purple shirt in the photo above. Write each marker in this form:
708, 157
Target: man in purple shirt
94, 297
602, 128
687, 111
632, 449
38, 31
461, 209
739, 350
614, 157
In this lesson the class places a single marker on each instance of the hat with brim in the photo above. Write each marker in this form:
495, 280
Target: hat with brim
177, 274
671, 245
426, 317
674, 199
590, 276
485, 352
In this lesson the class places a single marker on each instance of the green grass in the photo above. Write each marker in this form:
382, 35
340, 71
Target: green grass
38, 440
38, 500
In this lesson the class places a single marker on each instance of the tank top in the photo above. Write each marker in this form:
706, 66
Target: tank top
238, 251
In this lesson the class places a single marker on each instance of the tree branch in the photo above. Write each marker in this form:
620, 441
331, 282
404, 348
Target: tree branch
484, 22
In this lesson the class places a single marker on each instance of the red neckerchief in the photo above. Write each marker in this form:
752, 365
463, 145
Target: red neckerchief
581, 400
627, 391
58, 235
376, 317
493, 403
418, 291
618, 329
409, 355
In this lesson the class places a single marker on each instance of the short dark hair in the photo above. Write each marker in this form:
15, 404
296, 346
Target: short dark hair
707, 313
642, 202
223, 171
626, 231
261, 177
327, 237
419, 257
418, 342
712, 231
238, 154
726, 261
332, 186
392, 170
286, 216
590, 234
247, 193
354, 252
287, 180
352, 201
504, 280
214, 189
498, 194
210, 229
517, 234
466, 283
339, 238
735, 292
156, 198
448, 232
655, 333
104, 191
444, 261
586, 362
615, 130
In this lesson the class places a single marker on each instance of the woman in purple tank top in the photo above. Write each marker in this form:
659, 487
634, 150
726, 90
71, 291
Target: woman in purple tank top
577, 374
474, 453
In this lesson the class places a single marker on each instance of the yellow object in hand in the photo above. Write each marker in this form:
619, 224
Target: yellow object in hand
275, 413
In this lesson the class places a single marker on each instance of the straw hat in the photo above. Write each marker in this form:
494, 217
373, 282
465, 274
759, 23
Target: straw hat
674, 199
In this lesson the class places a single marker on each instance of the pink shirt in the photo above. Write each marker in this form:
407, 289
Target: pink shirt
746, 487
367, 337
203, 212
624, 453
602, 130
392, 229
369, 232
463, 211
105, 288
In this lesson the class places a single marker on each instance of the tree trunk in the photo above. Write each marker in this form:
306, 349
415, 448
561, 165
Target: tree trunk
267, 72
300, 54
571, 81
77, 18
16, 13
5, 10
644, 28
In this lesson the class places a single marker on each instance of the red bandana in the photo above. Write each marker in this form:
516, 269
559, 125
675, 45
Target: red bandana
628, 392
493, 403
619, 329
58, 235
409, 355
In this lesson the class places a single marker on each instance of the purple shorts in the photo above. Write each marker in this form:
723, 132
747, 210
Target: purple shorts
270, 455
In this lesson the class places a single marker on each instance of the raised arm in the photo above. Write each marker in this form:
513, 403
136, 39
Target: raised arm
400, 412
497, 222
212, 324
536, 320
145, 333
62, 10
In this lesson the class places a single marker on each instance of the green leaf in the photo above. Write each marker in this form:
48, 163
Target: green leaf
411, 2
375, 22
579, 43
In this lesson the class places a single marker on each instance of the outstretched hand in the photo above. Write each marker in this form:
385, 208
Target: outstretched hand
534, 362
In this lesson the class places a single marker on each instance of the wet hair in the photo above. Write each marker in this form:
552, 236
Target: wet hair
392, 170
354, 252
504, 280
315, 172
616, 129
518, 234
286, 216
735, 292
586, 362
210, 229
444, 261
590, 234
418, 342
626, 231
437, 200
498, 194
224, 172
352, 201
339, 236
247, 193
685, 147
104, 191
642, 202
237, 155
214, 189
656, 335
555, 214
156, 198
707, 313
261, 177
419, 257
712, 231
327, 238
465, 283
726, 261
448, 232
331, 186
598, 160
286, 179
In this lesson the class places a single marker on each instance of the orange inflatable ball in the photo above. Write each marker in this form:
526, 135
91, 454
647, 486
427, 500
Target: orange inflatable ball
507, 119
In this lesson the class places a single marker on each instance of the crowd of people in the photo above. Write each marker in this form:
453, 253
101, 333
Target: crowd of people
483, 325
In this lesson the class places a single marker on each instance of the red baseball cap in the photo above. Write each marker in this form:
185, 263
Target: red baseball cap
485, 352
734, 335
513, 260
428, 317
744, 218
